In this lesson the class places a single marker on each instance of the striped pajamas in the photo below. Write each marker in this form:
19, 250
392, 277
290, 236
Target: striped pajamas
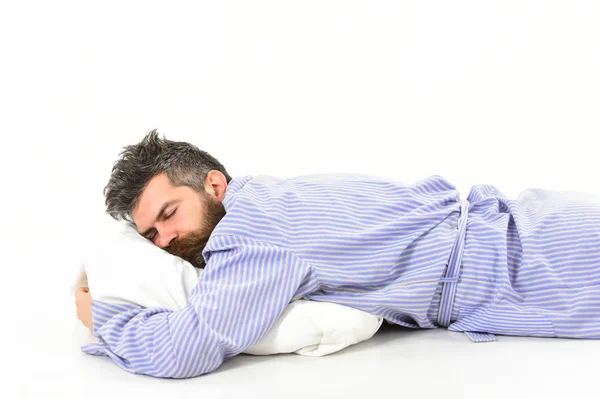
529, 266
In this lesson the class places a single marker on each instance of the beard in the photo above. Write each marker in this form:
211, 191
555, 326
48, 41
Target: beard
190, 246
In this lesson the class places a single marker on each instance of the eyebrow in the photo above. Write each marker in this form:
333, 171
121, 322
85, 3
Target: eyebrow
160, 214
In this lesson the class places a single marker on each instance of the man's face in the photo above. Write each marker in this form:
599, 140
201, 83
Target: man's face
178, 219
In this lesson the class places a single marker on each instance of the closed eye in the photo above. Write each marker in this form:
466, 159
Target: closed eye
152, 237
171, 214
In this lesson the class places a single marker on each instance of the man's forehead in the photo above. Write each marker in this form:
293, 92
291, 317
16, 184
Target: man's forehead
158, 191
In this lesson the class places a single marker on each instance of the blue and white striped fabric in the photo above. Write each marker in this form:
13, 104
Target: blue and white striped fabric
523, 267
531, 266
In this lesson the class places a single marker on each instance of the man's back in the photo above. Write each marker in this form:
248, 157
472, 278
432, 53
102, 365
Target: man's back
370, 243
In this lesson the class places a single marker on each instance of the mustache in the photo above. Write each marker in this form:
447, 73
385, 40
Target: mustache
191, 244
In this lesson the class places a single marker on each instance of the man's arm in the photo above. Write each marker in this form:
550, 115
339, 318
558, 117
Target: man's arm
238, 299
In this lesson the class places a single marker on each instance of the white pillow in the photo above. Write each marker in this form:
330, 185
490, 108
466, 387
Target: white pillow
124, 267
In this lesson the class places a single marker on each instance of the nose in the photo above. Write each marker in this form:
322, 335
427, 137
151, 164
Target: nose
165, 239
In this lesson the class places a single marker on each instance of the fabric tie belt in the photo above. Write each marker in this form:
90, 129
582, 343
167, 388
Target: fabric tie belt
450, 280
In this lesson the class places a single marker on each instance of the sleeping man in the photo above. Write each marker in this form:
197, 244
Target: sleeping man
415, 254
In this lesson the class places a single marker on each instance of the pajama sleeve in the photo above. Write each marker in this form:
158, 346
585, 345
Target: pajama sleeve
241, 294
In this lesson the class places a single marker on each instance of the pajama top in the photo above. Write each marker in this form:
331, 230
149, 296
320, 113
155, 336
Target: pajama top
404, 252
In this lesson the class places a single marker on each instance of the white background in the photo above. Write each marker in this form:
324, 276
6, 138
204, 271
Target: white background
503, 93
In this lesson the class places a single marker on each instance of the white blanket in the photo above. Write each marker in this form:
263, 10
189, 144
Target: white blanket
124, 267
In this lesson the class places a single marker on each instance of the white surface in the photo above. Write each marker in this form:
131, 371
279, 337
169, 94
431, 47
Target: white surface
396, 361
504, 93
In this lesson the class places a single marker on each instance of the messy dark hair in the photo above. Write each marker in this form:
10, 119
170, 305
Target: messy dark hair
183, 163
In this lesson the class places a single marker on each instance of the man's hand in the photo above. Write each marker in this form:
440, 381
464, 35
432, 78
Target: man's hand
83, 300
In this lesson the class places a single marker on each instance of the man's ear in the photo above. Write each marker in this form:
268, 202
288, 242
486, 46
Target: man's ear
216, 184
